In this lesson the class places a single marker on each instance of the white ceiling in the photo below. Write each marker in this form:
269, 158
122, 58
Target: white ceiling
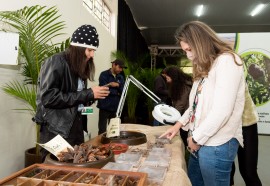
158, 19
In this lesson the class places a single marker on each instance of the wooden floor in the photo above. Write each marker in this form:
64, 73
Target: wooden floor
263, 163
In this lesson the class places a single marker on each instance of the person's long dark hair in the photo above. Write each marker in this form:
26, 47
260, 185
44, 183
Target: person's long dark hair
180, 81
76, 59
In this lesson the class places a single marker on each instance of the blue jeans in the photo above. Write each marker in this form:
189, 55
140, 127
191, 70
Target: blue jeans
212, 164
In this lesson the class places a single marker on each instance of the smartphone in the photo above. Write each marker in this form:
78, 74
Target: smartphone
107, 85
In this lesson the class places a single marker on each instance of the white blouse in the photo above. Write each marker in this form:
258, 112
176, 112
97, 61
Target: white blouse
223, 98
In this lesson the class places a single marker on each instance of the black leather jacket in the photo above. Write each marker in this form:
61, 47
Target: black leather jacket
57, 96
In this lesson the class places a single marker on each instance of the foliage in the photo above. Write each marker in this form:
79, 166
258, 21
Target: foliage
23, 92
147, 78
133, 93
36, 26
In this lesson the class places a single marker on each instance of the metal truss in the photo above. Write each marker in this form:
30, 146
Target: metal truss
163, 51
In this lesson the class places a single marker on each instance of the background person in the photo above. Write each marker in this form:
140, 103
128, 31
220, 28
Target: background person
161, 90
108, 106
62, 91
248, 155
216, 104
180, 85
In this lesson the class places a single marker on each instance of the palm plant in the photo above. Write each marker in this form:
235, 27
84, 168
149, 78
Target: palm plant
147, 78
36, 26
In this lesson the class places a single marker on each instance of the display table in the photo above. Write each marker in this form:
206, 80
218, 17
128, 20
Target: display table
176, 173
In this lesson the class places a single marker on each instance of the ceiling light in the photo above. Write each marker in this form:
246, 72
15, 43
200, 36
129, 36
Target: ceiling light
199, 10
257, 9
142, 27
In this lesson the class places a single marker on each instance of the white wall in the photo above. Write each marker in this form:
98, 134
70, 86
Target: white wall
17, 131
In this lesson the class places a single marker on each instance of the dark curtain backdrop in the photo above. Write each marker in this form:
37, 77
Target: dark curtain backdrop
133, 45
129, 38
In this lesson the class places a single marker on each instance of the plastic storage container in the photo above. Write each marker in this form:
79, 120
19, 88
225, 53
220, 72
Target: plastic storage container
118, 166
157, 160
130, 158
156, 173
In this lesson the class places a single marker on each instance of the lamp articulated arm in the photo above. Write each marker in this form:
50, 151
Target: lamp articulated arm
138, 84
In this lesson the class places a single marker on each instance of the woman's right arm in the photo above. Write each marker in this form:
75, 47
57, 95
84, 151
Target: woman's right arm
171, 132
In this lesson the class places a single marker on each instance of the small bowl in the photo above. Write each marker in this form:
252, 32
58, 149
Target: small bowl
117, 148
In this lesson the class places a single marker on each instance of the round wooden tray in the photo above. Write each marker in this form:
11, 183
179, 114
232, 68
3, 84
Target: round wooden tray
51, 159
126, 137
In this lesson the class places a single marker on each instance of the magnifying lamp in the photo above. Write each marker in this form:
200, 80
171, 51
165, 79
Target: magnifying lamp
163, 113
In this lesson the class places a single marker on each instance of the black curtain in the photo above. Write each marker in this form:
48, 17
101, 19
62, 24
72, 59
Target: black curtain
129, 38
133, 45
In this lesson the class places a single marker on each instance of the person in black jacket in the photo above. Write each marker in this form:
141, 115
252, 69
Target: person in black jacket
161, 88
62, 89
113, 79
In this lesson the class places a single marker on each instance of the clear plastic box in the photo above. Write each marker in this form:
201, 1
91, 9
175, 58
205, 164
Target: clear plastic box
131, 158
154, 172
118, 166
157, 160
143, 152
160, 142
161, 151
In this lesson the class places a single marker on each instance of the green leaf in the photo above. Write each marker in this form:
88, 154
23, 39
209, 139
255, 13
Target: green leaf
36, 26
26, 93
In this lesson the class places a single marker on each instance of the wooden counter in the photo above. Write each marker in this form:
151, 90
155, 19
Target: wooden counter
176, 174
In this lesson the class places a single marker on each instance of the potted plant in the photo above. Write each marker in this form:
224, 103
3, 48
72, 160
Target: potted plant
36, 26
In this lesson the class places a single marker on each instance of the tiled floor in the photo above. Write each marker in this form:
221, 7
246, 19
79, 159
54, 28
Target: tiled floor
263, 163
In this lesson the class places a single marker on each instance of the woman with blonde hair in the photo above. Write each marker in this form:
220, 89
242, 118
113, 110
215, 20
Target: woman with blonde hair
216, 103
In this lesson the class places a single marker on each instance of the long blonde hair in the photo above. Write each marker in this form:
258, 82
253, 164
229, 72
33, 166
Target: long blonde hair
205, 44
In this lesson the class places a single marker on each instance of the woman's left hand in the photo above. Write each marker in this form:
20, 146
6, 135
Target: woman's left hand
100, 92
191, 145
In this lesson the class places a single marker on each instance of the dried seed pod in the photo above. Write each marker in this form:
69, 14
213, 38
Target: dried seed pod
76, 148
101, 181
77, 157
83, 153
